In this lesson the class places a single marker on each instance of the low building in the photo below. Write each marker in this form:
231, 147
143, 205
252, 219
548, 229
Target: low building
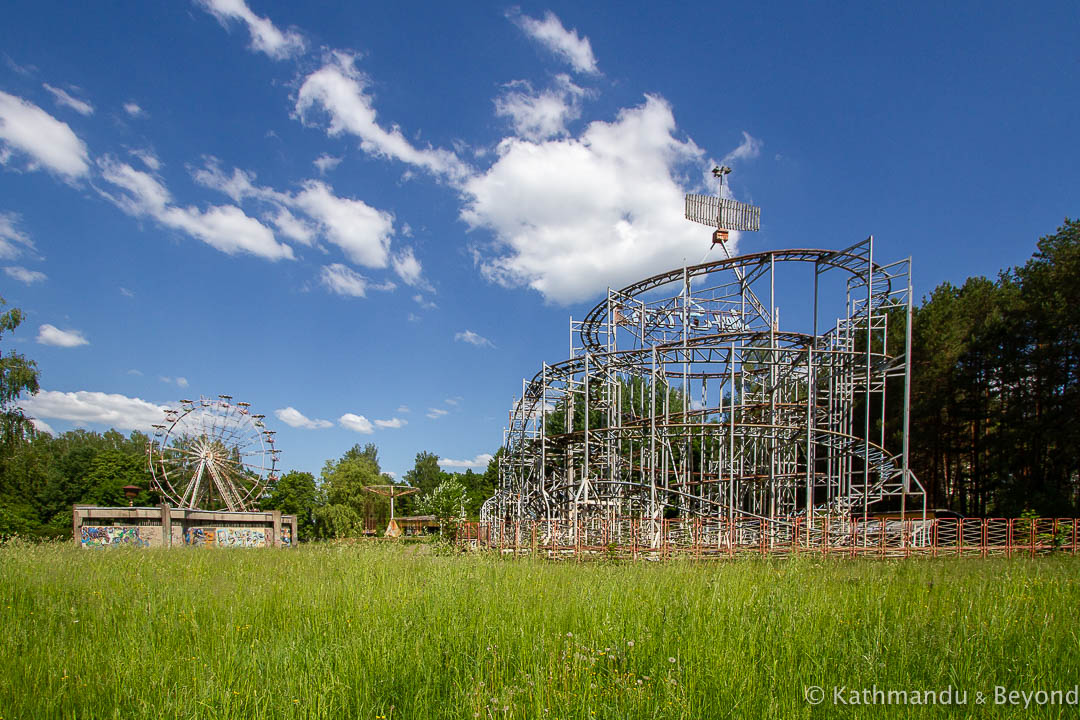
165, 526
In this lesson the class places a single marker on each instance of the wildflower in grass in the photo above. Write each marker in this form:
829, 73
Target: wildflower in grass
671, 659
629, 643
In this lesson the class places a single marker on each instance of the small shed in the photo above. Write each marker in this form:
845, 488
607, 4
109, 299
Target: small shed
412, 526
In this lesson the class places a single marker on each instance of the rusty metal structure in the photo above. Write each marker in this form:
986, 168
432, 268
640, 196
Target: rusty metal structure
212, 454
684, 398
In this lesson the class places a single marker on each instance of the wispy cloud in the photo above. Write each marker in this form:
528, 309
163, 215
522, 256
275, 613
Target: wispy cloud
52, 335
472, 338
23, 275
265, 37
436, 413
340, 90
749, 148
325, 163
567, 45
392, 423
132, 108
65, 99
343, 280
12, 240
224, 227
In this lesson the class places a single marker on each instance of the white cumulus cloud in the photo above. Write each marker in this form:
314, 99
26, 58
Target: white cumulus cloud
357, 423
539, 116
265, 37
340, 90
567, 45
362, 232
392, 423
294, 418
480, 461
112, 410
132, 108
48, 142
52, 335
572, 216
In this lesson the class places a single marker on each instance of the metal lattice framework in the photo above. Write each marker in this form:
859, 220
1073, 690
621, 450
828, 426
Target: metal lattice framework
212, 454
683, 398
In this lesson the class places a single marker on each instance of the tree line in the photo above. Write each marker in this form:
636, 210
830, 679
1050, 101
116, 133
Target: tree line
995, 422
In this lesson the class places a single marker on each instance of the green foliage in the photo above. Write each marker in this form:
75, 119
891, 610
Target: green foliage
17, 376
447, 503
43, 477
348, 508
337, 521
426, 473
295, 494
996, 387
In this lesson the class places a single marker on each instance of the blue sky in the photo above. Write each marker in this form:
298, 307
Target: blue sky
372, 222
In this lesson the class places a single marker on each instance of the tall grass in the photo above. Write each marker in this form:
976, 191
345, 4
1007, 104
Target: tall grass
391, 631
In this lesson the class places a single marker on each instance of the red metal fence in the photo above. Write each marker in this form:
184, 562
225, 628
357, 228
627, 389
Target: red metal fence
742, 536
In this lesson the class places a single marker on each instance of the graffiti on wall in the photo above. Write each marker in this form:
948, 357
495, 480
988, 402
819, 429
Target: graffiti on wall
286, 535
93, 536
225, 537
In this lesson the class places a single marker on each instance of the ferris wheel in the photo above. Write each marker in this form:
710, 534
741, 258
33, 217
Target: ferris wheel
212, 455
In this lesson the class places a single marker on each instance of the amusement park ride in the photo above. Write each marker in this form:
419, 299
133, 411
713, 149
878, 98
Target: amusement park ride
683, 398
212, 455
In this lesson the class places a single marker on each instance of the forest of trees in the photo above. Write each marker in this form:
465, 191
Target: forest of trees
996, 387
994, 421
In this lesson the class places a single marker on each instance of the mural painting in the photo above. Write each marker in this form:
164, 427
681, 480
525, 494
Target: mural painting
286, 536
225, 537
109, 535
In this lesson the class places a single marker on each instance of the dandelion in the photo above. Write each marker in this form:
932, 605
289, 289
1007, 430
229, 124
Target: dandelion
569, 634
629, 643
671, 660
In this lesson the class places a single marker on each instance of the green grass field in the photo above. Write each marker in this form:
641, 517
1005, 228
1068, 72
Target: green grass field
394, 631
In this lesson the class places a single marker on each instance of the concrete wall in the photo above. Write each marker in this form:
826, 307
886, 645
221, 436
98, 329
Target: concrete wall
165, 526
